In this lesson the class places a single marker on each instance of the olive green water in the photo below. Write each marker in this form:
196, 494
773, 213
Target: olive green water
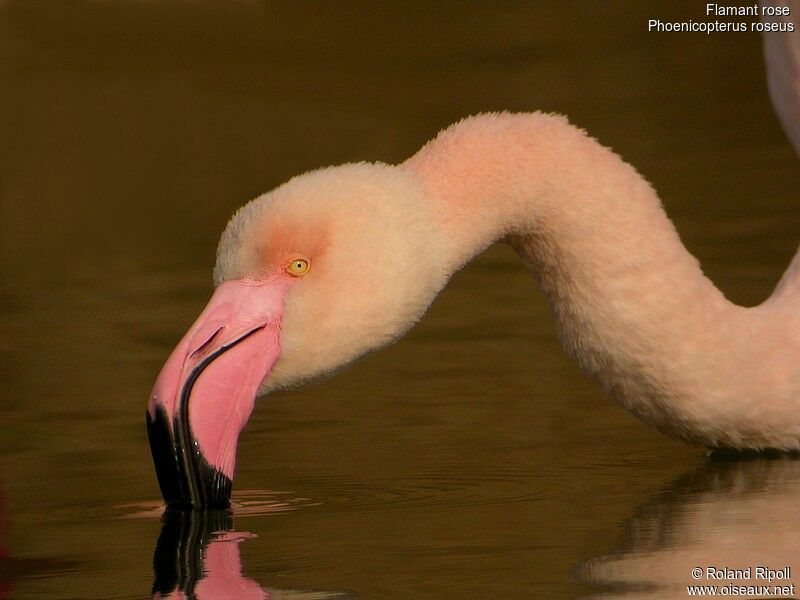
471, 459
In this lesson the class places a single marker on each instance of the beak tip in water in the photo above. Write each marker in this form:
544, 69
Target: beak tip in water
186, 479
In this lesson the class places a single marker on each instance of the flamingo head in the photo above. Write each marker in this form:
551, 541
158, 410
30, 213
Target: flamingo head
309, 276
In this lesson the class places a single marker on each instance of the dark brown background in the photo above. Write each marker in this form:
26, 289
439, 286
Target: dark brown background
472, 458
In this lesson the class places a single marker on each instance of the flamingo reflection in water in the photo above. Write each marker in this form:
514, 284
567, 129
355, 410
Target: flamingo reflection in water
726, 514
197, 558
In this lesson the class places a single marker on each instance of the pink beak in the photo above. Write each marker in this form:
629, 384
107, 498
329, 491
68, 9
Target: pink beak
205, 392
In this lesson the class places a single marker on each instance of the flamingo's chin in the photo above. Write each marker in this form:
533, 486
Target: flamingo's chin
206, 390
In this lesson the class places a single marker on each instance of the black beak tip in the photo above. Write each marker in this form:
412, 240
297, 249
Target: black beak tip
186, 479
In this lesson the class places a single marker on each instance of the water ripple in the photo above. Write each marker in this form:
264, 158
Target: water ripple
244, 503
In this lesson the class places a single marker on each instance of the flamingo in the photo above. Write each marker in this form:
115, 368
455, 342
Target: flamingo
343, 260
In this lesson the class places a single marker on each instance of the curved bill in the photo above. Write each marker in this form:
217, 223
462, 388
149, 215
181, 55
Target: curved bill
205, 393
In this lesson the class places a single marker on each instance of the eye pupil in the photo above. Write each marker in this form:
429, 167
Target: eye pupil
298, 267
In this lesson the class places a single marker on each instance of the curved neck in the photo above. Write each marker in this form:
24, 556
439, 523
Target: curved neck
630, 302
536, 179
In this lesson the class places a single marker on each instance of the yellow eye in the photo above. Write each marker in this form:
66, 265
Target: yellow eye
298, 267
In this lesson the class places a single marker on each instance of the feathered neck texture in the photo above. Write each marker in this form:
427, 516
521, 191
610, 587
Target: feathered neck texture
631, 304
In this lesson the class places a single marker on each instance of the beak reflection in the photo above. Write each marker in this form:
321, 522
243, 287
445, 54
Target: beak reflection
197, 556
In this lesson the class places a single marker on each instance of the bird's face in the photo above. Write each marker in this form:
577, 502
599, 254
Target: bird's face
310, 276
